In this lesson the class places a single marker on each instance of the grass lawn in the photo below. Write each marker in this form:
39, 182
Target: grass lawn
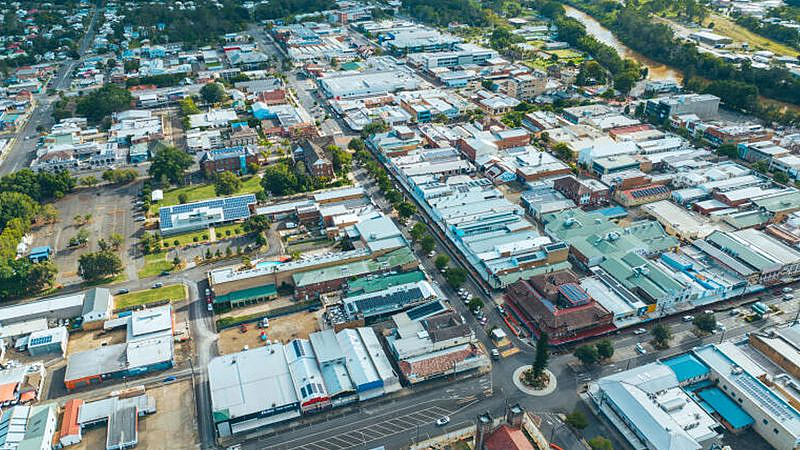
154, 264
729, 28
186, 238
118, 278
250, 185
172, 292
220, 231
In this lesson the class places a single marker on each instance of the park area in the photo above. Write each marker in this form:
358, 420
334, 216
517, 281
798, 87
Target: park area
172, 293
155, 264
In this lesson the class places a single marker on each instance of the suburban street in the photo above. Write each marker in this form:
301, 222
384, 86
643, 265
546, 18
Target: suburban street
22, 150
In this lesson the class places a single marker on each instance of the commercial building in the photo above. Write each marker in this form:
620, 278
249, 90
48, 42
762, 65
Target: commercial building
430, 341
204, 213
120, 416
21, 384
148, 348
231, 159
781, 344
701, 105
52, 340
91, 306
710, 39
271, 384
316, 161
642, 195
403, 41
584, 192
680, 222
366, 84
463, 55
28, 427
557, 305
761, 151
370, 305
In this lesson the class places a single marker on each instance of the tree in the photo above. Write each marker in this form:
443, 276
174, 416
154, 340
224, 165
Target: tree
120, 176
624, 82
15, 205
705, 322
475, 303
728, 150
115, 240
441, 261
170, 163
455, 276
183, 198
760, 166
600, 443
98, 265
256, 224
427, 243
101, 103
212, 92
418, 231
89, 180
563, 152
48, 213
781, 177
406, 209
576, 419
81, 238
587, 354
356, 144
605, 349
227, 183
393, 196
542, 356
661, 335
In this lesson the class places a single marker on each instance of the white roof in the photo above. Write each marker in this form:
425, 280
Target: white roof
251, 381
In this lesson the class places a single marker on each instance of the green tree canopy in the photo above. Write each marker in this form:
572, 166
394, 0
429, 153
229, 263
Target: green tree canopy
170, 163
441, 261
98, 265
705, 322
455, 276
213, 92
227, 183
587, 354
661, 335
101, 103
605, 349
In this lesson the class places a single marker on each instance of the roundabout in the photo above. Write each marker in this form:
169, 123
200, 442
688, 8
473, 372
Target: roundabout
549, 388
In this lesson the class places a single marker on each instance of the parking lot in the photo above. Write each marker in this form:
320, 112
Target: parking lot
374, 429
110, 210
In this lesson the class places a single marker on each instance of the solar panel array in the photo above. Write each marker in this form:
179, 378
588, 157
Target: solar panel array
765, 397
40, 340
425, 310
647, 192
233, 208
399, 298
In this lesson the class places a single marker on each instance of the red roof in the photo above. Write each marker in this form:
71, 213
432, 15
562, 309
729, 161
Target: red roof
8, 392
436, 365
69, 423
507, 438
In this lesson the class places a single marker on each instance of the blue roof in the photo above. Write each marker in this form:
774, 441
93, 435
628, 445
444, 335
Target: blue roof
686, 367
44, 250
726, 408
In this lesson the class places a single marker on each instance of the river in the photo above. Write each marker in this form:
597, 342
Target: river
657, 71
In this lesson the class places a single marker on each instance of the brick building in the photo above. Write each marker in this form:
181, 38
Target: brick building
587, 192
231, 159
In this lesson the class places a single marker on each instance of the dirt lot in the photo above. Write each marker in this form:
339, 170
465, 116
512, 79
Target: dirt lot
173, 426
80, 341
283, 329
111, 210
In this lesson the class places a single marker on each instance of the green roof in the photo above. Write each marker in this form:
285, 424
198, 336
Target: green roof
366, 285
747, 220
655, 283
396, 258
268, 290
739, 251
778, 203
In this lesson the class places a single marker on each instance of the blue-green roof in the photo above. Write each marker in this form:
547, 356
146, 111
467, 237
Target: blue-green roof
686, 367
258, 292
726, 408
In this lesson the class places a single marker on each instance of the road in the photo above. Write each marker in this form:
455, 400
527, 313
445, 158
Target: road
22, 151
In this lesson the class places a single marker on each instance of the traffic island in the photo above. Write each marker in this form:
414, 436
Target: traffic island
548, 386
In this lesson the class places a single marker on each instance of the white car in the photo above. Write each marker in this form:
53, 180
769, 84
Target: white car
210, 307
787, 290
640, 349
640, 331
442, 421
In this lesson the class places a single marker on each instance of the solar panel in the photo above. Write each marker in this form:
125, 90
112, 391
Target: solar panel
40, 340
425, 310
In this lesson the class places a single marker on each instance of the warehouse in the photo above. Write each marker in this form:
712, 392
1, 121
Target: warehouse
370, 306
53, 340
275, 383
118, 361
53, 308
120, 415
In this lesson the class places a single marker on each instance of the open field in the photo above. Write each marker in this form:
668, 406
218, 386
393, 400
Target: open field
283, 329
154, 264
202, 192
726, 27
173, 293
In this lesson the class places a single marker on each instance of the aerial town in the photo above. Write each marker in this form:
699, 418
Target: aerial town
400, 224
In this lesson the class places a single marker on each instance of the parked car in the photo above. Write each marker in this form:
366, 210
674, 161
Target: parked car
431, 254
122, 291
640, 348
640, 331
243, 328
157, 285
735, 312
687, 318
264, 323
495, 354
170, 378
210, 307
165, 273
442, 421
787, 297
787, 290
